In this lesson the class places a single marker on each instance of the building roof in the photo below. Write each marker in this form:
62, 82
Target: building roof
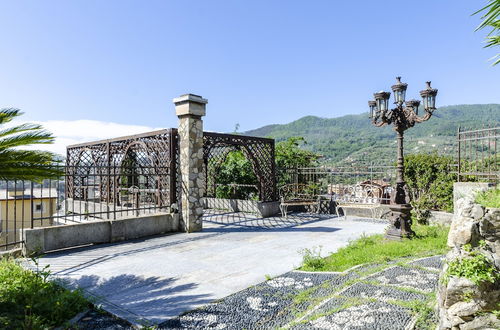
38, 193
379, 183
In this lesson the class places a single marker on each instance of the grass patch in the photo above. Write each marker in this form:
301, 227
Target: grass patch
29, 300
429, 240
489, 198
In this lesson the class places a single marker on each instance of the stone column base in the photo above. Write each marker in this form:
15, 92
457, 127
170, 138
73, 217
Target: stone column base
400, 219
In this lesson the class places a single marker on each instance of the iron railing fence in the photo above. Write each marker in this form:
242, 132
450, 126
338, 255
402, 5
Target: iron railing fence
80, 195
357, 183
477, 154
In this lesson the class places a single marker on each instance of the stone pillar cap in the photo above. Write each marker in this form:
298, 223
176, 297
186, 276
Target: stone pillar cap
190, 98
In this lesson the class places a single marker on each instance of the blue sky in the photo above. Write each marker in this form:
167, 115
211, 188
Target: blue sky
257, 62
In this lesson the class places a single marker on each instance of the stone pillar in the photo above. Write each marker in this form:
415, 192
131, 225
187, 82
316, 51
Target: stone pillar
190, 108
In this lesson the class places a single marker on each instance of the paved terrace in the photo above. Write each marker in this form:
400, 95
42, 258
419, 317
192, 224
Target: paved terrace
152, 280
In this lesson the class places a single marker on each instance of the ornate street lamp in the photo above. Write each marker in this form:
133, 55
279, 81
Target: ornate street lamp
402, 117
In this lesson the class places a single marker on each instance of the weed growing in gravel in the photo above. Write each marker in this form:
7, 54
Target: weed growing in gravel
28, 300
429, 240
312, 258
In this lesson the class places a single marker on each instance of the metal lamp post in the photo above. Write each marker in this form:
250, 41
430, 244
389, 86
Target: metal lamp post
402, 118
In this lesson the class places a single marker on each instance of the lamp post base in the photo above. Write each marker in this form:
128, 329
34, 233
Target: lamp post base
400, 219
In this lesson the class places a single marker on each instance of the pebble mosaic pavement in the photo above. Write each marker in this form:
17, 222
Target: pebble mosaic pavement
364, 297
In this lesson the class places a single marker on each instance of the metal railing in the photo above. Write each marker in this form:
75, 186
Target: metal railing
477, 153
82, 194
359, 183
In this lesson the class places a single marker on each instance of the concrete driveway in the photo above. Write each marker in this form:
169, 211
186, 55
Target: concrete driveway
151, 280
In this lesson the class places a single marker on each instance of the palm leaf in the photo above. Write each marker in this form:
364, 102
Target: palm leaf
7, 114
18, 164
491, 12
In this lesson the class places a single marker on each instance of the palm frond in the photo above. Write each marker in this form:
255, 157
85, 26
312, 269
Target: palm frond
20, 129
492, 10
36, 173
490, 17
11, 156
492, 41
26, 139
30, 165
493, 59
7, 114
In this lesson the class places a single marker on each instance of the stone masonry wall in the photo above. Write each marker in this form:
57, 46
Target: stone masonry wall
190, 109
191, 159
462, 303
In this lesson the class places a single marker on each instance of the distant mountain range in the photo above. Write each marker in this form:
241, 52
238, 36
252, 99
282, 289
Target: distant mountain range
353, 138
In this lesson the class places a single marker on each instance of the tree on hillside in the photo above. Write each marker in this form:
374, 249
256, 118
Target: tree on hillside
491, 20
16, 164
289, 155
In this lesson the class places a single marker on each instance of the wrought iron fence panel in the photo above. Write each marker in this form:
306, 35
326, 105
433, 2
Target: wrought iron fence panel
357, 184
477, 153
135, 191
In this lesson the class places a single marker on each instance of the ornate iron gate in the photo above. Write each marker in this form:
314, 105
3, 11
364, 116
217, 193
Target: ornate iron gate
134, 163
260, 152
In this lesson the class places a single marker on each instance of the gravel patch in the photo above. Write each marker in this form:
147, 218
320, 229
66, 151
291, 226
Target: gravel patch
381, 293
99, 319
264, 305
407, 278
435, 263
376, 315
326, 307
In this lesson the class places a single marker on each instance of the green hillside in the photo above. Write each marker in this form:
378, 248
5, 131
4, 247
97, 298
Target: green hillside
353, 138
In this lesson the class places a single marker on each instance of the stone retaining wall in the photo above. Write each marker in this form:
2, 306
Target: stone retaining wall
440, 218
41, 240
462, 303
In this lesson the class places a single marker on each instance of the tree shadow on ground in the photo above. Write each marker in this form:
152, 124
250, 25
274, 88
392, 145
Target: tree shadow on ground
137, 299
246, 222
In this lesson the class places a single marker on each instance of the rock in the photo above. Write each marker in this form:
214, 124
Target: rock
489, 225
463, 230
464, 207
456, 321
486, 322
477, 212
444, 322
490, 296
495, 252
456, 288
463, 308
463, 304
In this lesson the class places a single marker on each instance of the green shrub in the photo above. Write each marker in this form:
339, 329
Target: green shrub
430, 183
476, 267
489, 198
236, 169
29, 300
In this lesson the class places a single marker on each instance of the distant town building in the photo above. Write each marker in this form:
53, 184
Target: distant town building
16, 208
